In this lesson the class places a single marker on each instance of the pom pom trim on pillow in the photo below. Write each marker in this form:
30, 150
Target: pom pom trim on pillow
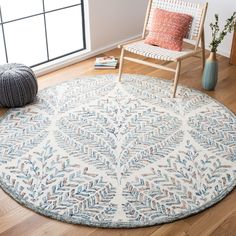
168, 29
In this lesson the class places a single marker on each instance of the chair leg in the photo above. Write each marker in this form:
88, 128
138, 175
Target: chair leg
121, 64
203, 49
176, 79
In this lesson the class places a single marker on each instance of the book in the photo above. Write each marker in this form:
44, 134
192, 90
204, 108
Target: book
108, 62
105, 60
104, 67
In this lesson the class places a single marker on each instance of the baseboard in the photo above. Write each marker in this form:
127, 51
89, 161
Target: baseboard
64, 62
70, 60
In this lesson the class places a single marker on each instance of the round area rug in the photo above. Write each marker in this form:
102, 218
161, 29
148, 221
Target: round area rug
101, 153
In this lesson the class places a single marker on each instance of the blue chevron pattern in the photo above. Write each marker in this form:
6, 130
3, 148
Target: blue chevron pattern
96, 152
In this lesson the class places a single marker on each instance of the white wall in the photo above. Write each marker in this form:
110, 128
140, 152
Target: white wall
225, 9
112, 21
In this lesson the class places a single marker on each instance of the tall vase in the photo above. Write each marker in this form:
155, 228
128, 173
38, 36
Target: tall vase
210, 73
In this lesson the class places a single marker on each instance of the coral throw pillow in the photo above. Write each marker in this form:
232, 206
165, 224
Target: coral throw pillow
168, 29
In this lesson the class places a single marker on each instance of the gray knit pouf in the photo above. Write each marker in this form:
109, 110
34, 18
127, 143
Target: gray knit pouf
18, 85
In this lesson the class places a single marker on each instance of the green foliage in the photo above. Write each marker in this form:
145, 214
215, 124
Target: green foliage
217, 36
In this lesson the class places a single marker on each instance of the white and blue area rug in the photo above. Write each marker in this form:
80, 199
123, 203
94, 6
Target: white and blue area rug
96, 152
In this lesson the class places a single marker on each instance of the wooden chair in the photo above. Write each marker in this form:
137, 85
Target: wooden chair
195, 35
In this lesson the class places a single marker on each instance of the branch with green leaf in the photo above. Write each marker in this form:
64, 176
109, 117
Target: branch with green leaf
217, 36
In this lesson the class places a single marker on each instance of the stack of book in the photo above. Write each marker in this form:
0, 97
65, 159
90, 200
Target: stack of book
108, 62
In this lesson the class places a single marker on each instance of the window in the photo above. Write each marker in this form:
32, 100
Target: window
39, 31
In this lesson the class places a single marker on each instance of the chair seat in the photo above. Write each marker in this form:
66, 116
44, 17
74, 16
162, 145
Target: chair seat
155, 52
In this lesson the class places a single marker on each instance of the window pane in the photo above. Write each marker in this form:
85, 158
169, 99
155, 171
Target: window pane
55, 4
14, 9
26, 41
2, 50
64, 28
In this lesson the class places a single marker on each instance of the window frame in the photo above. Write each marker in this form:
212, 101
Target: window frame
2, 23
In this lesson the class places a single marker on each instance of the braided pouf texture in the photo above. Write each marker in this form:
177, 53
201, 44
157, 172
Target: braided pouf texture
18, 85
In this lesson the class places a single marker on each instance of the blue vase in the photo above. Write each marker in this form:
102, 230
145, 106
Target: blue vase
210, 73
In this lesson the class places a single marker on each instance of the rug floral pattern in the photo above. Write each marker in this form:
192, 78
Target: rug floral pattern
97, 152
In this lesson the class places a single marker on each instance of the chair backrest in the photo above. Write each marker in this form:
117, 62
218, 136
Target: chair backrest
197, 11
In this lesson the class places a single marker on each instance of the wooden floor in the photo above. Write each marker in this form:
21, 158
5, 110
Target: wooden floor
219, 220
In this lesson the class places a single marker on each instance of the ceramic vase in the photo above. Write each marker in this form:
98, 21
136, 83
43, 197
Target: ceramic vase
210, 73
